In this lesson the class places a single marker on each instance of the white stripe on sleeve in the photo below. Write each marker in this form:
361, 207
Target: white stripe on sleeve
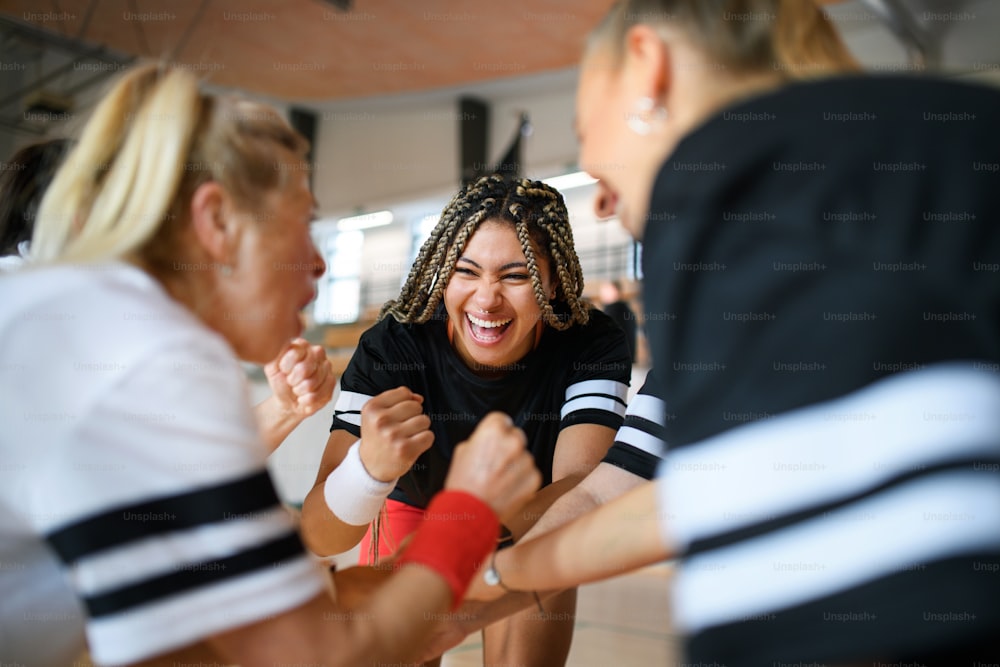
608, 387
648, 407
350, 401
592, 403
167, 553
803, 458
930, 518
639, 439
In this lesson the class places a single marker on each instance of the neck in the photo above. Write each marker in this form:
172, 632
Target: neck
192, 289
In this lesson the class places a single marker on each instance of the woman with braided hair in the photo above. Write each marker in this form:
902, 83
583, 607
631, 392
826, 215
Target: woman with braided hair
490, 318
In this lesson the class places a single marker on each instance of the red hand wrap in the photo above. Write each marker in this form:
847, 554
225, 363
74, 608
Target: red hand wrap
459, 531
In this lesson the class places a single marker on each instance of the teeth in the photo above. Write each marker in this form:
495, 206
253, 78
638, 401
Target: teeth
486, 324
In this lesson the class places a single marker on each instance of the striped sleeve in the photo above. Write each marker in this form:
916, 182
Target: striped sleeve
383, 360
601, 368
168, 524
639, 443
888, 484
347, 410
595, 401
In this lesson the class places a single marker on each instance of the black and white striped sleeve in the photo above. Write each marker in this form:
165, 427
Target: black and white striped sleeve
378, 364
597, 387
639, 443
163, 513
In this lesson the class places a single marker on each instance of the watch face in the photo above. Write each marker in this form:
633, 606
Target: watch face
491, 577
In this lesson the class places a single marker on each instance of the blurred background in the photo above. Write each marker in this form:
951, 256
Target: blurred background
402, 101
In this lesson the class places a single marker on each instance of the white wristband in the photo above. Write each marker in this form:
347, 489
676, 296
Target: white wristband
353, 495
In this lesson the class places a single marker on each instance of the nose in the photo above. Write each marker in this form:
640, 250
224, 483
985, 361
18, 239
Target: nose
318, 264
487, 294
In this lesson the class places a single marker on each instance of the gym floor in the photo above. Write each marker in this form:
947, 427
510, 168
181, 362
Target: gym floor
621, 622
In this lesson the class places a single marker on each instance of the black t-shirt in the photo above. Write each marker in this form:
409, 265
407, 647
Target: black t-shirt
806, 243
622, 314
804, 246
577, 376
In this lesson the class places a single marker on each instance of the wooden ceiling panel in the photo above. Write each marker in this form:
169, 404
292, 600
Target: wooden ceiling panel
309, 50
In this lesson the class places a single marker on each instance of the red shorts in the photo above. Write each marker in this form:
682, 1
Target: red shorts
399, 521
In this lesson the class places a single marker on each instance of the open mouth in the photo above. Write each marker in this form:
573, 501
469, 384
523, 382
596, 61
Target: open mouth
487, 331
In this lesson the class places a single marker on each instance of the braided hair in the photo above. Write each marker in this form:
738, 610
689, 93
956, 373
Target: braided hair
538, 215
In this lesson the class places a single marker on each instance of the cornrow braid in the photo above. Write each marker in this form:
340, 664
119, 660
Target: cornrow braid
539, 217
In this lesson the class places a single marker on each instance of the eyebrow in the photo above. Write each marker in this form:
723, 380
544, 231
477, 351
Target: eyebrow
509, 265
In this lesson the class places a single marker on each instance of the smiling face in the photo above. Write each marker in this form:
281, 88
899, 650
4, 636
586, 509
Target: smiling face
491, 302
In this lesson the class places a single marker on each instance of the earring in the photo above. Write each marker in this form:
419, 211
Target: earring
645, 106
225, 270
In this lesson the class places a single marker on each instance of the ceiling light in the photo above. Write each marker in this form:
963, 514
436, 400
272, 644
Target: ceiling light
365, 221
568, 181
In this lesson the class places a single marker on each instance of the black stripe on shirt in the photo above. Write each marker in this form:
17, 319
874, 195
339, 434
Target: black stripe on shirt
776, 524
934, 614
646, 425
592, 416
340, 424
597, 394
195, 575
632, 459
129, 523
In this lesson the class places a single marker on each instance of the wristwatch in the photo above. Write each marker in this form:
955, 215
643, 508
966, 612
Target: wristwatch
491, 576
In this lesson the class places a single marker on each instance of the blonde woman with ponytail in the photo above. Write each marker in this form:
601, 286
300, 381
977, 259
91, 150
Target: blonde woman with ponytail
822, 312
134, 497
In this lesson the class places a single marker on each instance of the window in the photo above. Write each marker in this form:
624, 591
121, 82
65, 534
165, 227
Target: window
339, 291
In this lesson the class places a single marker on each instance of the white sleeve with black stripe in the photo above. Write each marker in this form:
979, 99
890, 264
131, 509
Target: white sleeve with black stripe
162, 511
639, 444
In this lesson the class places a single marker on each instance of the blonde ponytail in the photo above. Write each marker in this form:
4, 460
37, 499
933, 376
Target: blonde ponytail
123, 190
117, 185
793, 37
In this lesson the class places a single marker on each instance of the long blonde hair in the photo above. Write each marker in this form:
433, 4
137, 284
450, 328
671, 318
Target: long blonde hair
792, 37
122, 192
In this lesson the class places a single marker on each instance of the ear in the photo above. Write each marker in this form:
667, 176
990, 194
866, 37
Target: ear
647, 64
213, 225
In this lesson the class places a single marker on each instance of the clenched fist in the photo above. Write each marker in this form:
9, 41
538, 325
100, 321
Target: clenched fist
494, 465
394, 432
301, 378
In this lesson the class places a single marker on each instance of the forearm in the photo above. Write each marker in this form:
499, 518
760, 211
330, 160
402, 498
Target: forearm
391, 627
615, 538
274, 422
324, 533
522, 522
601, 486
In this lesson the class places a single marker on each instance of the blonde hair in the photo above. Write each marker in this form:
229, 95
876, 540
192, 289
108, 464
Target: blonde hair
123, 190
795, 38
538, 215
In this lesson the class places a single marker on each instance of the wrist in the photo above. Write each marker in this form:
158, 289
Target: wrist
375, 471
351, 493
458, 533
493, 578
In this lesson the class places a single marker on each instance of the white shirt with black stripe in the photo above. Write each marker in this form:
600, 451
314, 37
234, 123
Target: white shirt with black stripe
576, 376
134, 500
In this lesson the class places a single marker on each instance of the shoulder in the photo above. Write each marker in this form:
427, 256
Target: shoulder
109, 313
387, 337
598, 324
600, 334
